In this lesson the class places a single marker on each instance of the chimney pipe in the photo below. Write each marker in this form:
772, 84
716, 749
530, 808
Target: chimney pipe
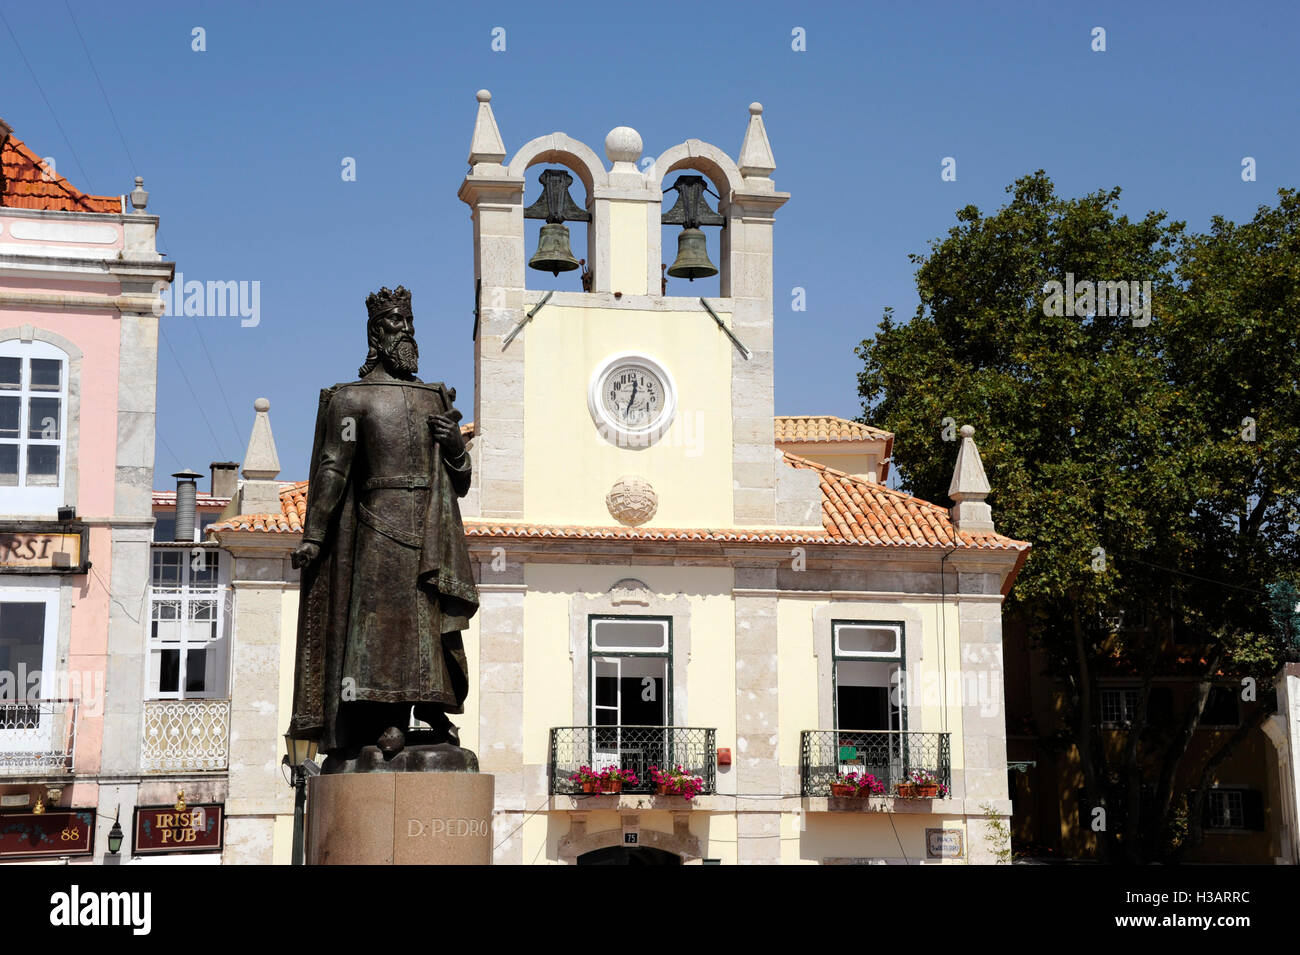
187, 490
225, 478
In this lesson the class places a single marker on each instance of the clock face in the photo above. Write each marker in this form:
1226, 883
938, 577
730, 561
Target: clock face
633, 395
632, 399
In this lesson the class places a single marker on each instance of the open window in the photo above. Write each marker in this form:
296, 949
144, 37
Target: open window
28, 633
630, 690
870, 711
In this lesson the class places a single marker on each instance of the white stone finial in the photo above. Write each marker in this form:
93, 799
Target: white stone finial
139, 195
261, 460
756, 157
486, 145
969, 487
623, 145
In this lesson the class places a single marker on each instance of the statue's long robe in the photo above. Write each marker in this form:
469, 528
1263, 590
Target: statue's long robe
382, 607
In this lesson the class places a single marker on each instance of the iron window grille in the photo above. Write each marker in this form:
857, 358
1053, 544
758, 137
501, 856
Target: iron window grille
634, 748
889, 755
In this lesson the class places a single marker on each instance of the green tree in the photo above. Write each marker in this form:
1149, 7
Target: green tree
1110, 446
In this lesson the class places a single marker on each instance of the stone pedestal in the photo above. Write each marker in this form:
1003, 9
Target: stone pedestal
406, 818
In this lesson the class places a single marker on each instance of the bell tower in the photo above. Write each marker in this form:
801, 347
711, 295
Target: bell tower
629, 399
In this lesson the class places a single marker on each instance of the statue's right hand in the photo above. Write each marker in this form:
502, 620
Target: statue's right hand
304, 554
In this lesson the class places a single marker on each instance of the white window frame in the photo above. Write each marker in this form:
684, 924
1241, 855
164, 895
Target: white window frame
30, 592
895, 654
188, 595
616, 655
1128, 702
43, 499
1224, 795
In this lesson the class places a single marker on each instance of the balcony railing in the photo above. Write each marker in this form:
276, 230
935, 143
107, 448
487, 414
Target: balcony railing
37, 736
889, 755
182, 736
632, 747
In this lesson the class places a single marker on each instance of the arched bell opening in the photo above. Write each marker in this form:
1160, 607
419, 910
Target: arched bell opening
558, 230
724, 180
691, 238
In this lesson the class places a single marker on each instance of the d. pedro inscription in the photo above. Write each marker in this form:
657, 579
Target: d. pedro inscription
447, 827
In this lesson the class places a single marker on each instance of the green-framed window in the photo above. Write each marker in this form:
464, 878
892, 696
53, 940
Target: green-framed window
869, 674
631, 669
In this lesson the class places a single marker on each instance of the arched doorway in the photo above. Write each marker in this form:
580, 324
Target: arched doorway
629, 855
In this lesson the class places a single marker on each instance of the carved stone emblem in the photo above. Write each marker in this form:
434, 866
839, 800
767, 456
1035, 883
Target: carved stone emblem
632, 501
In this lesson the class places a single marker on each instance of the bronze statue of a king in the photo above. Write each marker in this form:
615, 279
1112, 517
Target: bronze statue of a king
387, 585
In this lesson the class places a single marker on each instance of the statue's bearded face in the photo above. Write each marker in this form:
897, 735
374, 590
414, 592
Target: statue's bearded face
397, 348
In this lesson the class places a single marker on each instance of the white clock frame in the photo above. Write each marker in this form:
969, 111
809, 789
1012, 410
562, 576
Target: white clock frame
614, 431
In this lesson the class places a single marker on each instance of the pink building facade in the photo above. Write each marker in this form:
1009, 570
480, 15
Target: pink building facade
78, 370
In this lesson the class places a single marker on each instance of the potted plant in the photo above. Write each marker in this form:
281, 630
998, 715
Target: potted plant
587, 778
676, 782
613, 779
868, 785
856, 784
926, 783
844, 785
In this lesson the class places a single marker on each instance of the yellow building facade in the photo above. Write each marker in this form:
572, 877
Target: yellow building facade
674, 580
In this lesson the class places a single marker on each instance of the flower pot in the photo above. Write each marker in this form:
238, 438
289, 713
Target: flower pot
662, 790
613, 786
590, 786
927, 792
907, 790
843, 790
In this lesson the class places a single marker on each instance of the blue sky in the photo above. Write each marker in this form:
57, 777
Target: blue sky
241, 149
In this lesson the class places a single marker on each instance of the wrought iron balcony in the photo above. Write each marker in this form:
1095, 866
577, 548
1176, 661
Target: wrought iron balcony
182, 736
889, 755
37, 737
634, 748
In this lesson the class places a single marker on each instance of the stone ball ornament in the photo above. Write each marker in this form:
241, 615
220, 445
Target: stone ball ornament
623, 144
632, 500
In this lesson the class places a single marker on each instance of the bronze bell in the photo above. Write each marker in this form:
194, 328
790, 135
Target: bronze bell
553, 253
690, 212
556, 206
692, 257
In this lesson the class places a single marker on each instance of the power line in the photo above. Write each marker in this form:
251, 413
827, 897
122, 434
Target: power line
158, 234
168, 448
102, 91
41, 90
186, 378
220, 385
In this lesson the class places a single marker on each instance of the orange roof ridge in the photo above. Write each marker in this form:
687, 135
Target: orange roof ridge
27, 184
845, 476
798, 429
855, 512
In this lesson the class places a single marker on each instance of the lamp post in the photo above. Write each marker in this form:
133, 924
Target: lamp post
300, 753
115, 834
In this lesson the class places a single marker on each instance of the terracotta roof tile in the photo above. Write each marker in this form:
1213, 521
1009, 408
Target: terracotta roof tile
168, 499
25, 183
293, 505
801, 428
854, 511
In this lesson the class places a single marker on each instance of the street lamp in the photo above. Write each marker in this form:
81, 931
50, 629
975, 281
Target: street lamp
301, 753
115, 834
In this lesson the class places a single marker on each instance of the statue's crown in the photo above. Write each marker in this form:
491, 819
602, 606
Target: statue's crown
384, 301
